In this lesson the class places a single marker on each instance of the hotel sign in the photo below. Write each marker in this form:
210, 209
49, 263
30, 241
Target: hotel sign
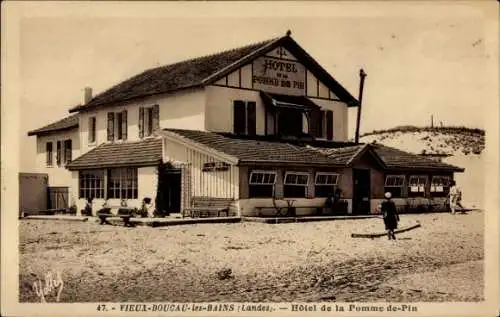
279, 76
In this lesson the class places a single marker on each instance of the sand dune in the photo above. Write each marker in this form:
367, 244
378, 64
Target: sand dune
461, 146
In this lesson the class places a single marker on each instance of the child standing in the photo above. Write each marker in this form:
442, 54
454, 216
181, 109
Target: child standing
390, 215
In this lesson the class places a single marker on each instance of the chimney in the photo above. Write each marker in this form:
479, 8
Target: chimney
87, 95
362, 76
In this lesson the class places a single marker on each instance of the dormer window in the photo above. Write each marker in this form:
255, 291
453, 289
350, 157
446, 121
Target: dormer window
244, 117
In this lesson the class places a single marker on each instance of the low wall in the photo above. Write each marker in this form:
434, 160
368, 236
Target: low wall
412, 203
247, 206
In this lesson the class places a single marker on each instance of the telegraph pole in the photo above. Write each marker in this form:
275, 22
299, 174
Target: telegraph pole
362, 76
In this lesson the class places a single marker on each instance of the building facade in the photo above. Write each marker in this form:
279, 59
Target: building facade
262, 126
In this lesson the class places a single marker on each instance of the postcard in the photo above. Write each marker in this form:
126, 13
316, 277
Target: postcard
335, 158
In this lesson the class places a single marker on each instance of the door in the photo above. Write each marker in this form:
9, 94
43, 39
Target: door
172, 191
361, 192
58, 198
290, 122
33, 192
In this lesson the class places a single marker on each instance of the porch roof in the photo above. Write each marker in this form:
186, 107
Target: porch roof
397, 159
286, 101
249, 151
388, 157
124, 154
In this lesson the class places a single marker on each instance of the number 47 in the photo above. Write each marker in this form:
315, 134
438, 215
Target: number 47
101, 307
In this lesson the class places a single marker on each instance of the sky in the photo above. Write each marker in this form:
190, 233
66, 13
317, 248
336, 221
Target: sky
422, 59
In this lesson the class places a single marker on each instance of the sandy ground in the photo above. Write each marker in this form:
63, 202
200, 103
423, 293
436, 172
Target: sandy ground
441, 261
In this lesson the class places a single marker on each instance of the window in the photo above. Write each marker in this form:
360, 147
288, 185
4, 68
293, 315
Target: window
416, 185
325, 184
111, 126
261, 183
440, 186
48, 151
91, 184
117, 125
295, 184
149, 120
244, 117
67, 151
58, 153
322, 124
329, 125
394, 184
92, 129
122, 183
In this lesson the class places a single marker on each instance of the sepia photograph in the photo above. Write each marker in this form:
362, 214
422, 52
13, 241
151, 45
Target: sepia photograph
251, 158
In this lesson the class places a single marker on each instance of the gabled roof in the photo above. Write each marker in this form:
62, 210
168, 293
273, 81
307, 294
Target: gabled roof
206, 70
254, 151
147, 152
349, 154
70, 122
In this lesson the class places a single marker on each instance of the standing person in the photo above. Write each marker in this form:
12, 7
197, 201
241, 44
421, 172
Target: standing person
390, 214
455, 197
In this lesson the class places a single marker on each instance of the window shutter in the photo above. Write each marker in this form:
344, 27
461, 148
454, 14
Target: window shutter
67, 151
329, 125
239, 117
48, 148
124, 124
58, 153
156, 117
111, 126
91, 129
315, 123
251, 119
141, 122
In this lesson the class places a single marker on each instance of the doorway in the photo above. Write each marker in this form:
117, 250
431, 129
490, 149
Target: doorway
290, 122
361, 191
171, 191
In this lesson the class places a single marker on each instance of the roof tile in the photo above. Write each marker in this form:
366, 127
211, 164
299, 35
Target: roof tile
254, 151
147, 152
69, 122
172, 77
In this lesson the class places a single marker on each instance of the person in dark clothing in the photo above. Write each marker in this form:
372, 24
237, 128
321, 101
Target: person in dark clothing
88, 206
390, 214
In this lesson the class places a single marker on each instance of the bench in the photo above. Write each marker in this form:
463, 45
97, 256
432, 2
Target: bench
125, 213
205, 206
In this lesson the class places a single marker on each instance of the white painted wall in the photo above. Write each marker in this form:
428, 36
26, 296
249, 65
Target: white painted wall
182, 110
340, 124
219, 109
58, 175
315, 90
147, 182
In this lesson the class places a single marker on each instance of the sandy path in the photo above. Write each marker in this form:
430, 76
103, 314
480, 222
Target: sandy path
287, 262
